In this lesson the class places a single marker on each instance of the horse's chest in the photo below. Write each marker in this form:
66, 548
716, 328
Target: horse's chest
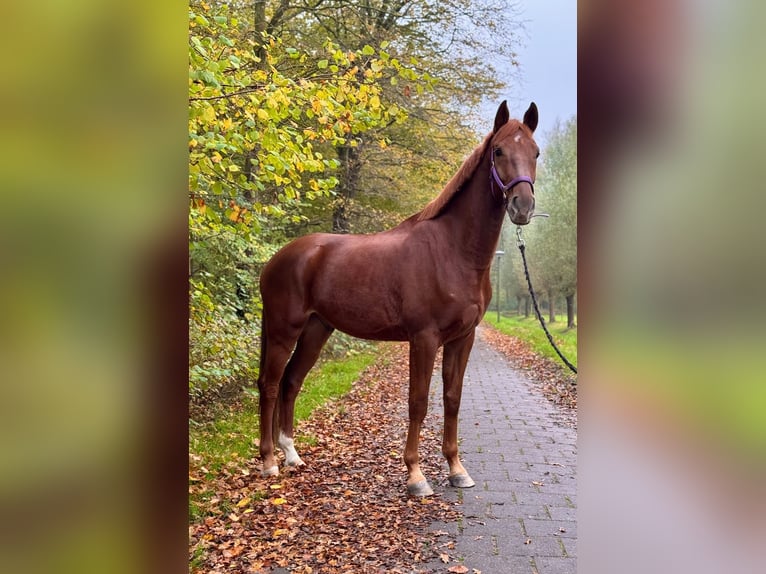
462, 310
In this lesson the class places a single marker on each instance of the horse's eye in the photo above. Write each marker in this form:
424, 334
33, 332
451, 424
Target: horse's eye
537, 154
498, 151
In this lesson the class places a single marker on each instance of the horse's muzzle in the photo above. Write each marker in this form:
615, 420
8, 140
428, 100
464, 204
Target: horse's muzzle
520, 208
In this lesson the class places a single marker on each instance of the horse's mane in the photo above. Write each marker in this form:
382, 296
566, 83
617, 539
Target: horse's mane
463, 174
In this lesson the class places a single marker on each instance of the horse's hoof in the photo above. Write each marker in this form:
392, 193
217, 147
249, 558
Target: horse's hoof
271, 471
421, 488
461, 480
294, 464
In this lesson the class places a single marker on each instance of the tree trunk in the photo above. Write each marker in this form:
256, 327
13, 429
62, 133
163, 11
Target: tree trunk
551, 309
348, 175
259, 20
526, 306
570, 312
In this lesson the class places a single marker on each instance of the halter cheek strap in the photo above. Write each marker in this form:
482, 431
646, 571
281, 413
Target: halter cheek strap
495, 178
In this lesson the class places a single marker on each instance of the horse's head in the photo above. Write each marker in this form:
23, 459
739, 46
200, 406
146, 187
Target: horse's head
514, 162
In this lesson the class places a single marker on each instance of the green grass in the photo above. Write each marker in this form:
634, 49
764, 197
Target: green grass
528, 329
232, 438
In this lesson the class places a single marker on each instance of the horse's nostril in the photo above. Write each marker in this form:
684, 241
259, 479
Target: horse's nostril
515, 202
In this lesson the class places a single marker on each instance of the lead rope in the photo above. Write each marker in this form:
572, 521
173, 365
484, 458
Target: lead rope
522, 248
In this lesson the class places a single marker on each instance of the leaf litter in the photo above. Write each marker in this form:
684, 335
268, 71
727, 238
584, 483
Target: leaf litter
347, 509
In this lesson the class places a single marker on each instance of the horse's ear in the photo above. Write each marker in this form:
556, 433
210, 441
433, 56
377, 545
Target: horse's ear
501, 118
530, 117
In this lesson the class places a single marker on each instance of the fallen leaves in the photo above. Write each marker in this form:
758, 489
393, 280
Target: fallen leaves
345, 511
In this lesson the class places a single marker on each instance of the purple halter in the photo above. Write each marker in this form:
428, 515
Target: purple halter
495, 178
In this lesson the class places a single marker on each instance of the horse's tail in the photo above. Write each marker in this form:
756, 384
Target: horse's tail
262, 363
262, 358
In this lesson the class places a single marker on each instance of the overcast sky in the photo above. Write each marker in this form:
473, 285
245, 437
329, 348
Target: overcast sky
548, 61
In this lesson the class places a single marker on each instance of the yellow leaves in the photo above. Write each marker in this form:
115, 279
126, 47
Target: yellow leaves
279, 180
280, 532
237, 109
208, 114
279, 501
275, 486
244, 502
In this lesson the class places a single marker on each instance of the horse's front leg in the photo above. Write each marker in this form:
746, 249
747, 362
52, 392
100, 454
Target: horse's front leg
422, 354
455, 360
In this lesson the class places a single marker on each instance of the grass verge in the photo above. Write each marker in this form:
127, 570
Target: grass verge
528, 329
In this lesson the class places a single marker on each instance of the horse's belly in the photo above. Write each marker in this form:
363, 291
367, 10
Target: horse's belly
365, 320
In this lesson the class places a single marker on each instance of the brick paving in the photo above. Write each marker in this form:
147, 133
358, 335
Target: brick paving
521, 517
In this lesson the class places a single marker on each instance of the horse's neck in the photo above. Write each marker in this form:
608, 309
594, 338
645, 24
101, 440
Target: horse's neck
474, 219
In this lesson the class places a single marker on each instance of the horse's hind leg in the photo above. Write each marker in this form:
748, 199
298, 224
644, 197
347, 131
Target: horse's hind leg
276, 349
310, 343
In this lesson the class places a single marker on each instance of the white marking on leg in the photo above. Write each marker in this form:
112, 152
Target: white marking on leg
288, 447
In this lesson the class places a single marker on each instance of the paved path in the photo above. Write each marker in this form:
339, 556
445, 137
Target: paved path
520, 518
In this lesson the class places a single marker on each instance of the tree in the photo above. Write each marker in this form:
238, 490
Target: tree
556, 238
262, 124
455, 47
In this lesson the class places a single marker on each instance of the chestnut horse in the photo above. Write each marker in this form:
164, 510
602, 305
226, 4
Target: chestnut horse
425, 281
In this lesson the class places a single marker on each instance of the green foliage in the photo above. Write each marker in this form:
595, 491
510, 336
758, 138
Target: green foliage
222, 347
256, 123
264, 117
556, 237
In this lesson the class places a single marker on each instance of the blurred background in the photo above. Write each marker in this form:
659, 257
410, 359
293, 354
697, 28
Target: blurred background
93, 177
672, 404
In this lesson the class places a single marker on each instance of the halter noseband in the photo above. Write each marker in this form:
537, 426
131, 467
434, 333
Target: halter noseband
495, 178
